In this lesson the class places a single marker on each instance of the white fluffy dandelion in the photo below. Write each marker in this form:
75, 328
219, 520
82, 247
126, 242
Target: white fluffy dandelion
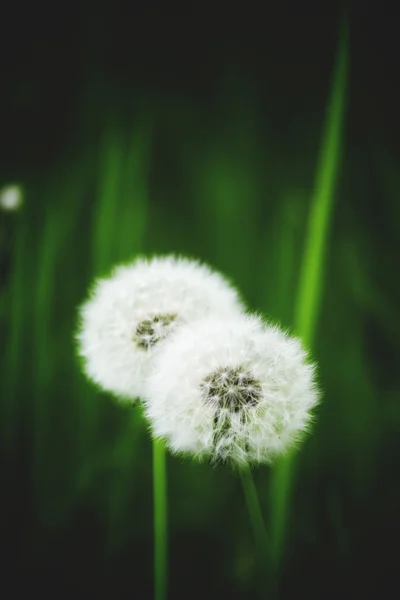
234, 390
137, 306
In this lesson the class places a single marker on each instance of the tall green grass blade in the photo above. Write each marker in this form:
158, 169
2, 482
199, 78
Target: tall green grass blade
107, 218
50, 335
122, 225
118, 235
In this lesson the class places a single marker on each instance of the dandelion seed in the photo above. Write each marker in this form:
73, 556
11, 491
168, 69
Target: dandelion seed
130, 312
234, 391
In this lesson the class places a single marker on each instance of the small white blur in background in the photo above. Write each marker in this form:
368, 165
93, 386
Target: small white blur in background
10, 197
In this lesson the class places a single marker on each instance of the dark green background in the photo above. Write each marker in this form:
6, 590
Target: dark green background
196, 131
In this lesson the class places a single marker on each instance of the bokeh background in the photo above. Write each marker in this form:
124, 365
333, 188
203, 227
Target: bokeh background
153, 128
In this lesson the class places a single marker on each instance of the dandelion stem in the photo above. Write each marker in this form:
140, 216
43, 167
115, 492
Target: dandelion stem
253, 506
259, 531
160, 520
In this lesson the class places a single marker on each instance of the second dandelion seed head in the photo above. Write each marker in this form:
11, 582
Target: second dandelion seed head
230, 390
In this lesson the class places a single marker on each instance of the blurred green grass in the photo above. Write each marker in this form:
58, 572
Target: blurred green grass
218, 195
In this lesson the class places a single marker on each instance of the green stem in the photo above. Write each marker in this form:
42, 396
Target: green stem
160, 520
267, 571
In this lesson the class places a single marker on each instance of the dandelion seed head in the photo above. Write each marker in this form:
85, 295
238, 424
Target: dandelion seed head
230, 388
236, 390
130, 312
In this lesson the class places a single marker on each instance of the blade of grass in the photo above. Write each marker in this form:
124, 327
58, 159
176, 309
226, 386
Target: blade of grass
119, 234
311, 274
105, 226
126, 201
50, 428
45, 461
133, 212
